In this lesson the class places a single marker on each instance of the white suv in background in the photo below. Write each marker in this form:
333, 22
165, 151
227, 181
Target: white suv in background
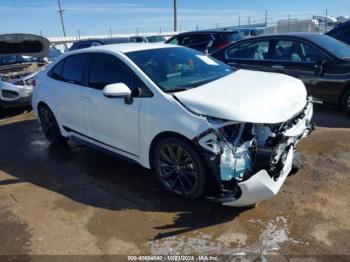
204, 128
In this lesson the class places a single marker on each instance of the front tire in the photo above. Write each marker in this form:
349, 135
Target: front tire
49, 126
345, 101
179, 168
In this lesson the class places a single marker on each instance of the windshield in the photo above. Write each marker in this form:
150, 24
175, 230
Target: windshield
332, 45
16, 59
155, 39
178, 69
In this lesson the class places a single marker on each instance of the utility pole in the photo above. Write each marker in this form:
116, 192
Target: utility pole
325, 22
239, 22
266, 18
41, 33
60, 11
78, 34
288, 23
175, 16
249, 20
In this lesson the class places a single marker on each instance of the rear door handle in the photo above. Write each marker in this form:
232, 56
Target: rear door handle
277, 66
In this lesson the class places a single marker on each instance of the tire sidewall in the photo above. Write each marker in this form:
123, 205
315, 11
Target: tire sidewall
57, 137
344, 101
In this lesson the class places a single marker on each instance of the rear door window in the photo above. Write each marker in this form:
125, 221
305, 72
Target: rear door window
250, 50
296, 51
74, 68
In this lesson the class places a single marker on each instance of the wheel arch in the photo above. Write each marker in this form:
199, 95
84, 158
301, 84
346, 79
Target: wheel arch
160, 137
345, 89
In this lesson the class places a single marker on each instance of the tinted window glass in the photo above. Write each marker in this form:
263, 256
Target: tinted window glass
74, 68
332, 45
296, 51
250, 50
106, 69
155, 39
56, 71
200, 38
228, 37
173, 41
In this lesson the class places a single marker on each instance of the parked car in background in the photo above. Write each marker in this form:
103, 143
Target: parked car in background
96, 42
53, 53
320, 61
341, 32
22, 56
206, 41
147, 39
230, 132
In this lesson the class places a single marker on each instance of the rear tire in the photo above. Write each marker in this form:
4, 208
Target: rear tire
345, 101
179, 168
49, 126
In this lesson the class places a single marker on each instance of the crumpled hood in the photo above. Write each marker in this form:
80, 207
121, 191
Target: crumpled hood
24, 44
248, 96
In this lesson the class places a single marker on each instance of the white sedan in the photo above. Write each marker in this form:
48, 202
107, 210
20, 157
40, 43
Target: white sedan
205, 129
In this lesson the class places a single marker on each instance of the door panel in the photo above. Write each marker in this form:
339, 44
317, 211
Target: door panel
111, 121
301, 60
69, 89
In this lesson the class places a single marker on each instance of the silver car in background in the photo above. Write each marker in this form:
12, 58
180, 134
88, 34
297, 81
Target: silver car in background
22, 56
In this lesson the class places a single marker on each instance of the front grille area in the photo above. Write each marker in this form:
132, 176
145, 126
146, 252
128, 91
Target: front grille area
9, 94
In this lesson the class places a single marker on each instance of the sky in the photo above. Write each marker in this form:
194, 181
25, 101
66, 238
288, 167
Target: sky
129, 16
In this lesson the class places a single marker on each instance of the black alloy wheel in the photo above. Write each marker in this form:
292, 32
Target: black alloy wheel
49, 125
179, 168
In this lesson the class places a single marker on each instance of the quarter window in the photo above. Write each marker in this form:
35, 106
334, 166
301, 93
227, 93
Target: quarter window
250, 50
56, 71
287, 50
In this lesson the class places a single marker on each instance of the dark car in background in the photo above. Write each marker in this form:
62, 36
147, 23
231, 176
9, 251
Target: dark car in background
96, 42
207, 41
320, 61
147, 39
341, 32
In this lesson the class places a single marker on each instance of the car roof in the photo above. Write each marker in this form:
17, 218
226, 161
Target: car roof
339, 27
102, 40
214, 31
128, 47
295, 34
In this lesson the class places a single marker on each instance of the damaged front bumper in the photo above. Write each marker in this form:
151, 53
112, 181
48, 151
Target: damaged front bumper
265, 159
262, 186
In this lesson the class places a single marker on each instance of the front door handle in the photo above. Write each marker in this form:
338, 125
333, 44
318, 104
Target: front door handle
277, 66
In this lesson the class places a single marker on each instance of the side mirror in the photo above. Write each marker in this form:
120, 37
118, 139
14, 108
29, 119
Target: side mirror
319, 67
118, 90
